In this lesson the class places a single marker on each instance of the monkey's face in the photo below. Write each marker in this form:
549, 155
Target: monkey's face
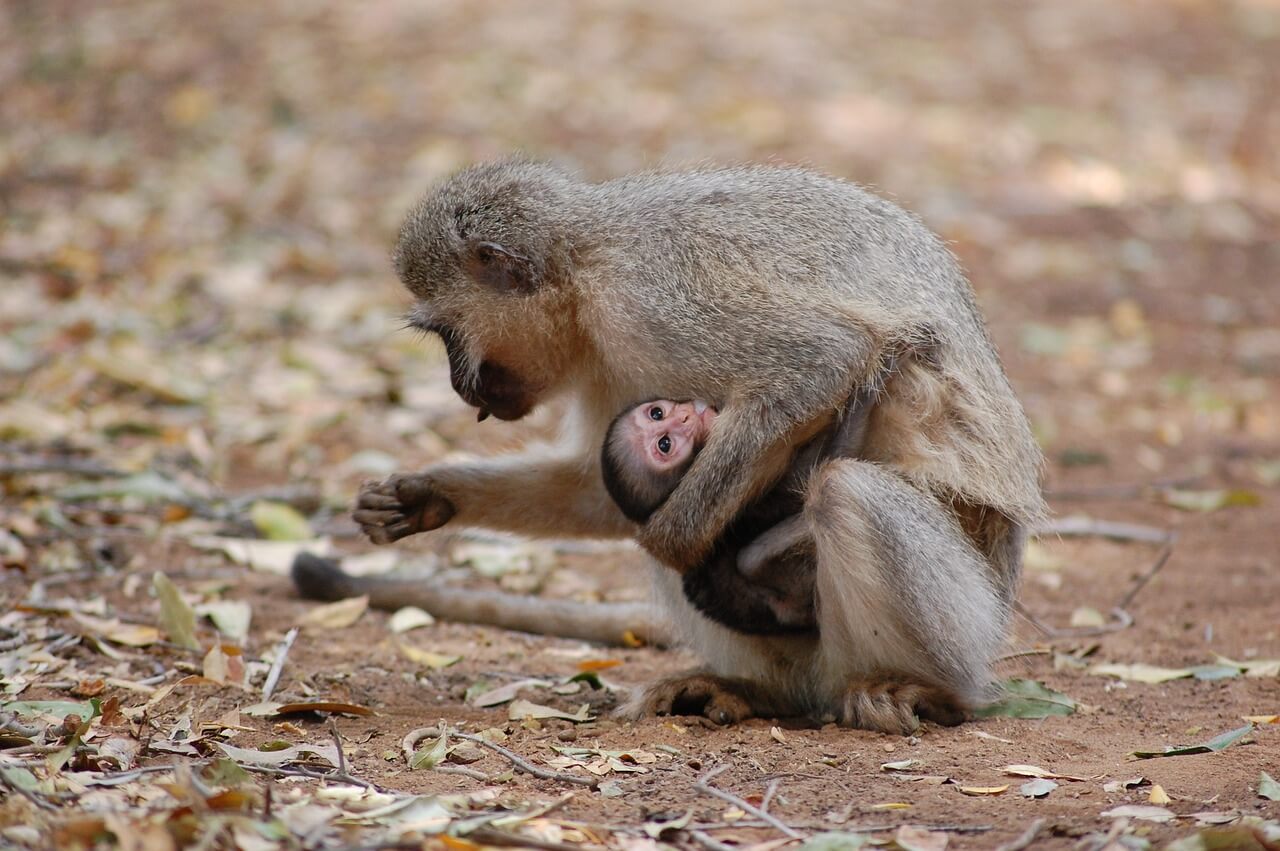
663, 435
488, 279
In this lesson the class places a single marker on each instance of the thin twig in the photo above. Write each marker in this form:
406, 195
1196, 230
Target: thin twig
711, 844
464, 771
528, 768
1079, 526
1120, 491
1035, 651
71, 466
9, 721
1142, 580
282, 652
822, 826
769, 792
333, 776
704, 785
1025, 838
337, 743
30, 795
1120, 620
409, 744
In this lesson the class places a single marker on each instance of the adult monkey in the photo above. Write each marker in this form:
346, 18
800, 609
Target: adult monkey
770, 293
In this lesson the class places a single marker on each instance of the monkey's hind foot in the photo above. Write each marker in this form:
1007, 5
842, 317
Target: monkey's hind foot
889, 705
720, 700
400, 506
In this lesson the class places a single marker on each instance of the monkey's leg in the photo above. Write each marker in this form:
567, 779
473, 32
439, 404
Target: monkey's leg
532, 493
605, 623
908, 616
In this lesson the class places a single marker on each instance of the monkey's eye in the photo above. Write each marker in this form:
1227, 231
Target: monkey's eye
655, 413
664, 445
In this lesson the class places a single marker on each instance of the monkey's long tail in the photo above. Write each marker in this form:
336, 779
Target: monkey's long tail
621, 624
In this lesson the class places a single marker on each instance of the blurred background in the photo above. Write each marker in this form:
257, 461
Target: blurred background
197, 204
200, 330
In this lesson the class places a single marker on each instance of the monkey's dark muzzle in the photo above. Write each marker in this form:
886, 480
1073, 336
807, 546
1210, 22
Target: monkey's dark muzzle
496, 390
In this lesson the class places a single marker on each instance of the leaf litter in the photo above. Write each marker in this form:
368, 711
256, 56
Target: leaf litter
131, 339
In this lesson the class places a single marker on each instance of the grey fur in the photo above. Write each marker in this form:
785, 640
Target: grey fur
770, 293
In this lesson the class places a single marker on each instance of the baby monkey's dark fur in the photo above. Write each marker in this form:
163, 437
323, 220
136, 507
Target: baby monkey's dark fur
759, 578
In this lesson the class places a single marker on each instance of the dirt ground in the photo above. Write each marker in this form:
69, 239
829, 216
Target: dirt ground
197, 206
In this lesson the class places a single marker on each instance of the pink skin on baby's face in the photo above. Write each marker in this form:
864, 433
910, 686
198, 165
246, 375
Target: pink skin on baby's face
665, 434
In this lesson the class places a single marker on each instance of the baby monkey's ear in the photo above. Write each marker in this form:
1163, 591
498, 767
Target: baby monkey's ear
498, 268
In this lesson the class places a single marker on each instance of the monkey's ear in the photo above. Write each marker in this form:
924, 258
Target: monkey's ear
498, 268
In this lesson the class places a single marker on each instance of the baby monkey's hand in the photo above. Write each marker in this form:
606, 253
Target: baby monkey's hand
400, 506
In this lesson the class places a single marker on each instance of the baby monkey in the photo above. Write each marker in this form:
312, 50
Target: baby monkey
759, 578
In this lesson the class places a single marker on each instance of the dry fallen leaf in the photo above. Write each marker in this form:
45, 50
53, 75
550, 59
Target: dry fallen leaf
337, 615
1038, 788
129, 634
1140, 672
409, 617
522, 709
1140, 811
426, 658
983, 790
911, 838
177, 619
1037, 771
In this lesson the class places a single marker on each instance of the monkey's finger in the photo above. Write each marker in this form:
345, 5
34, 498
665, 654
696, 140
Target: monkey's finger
374, 500
376, 535
401, 530
376, 519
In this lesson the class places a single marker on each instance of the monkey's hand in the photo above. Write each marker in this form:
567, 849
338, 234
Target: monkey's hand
400, 506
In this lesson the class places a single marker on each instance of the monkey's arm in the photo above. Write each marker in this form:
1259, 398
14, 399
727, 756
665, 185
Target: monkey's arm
604, 623
530, 493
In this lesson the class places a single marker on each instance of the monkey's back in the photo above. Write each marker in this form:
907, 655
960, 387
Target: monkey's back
729, 246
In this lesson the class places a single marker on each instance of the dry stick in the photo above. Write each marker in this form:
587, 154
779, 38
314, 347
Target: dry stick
1121, 620
1025, 838
1142, 580
85, 469
1079, 526
706, 841
527, 767
409, 745
337, 743
464, 771
1121, 617
1121, 491
336, 777
29, 794
282, 652
704, 785
769, 792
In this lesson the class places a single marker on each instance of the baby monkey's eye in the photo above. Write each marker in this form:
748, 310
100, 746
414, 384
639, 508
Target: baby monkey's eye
655, 413
664, 443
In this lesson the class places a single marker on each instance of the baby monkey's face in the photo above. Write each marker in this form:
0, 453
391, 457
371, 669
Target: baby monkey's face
665, 434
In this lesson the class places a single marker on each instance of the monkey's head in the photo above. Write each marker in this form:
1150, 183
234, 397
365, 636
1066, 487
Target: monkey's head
647, 450
487, 257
